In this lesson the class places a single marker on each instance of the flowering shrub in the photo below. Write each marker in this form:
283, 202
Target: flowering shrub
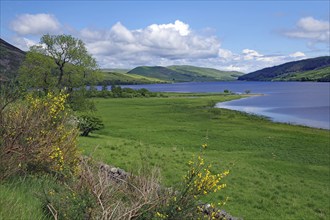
38, 135
96, 194
198, 182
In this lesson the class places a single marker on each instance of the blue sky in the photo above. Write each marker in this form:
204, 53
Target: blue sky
228, 35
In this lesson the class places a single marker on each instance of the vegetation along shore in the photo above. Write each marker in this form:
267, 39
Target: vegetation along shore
67, 152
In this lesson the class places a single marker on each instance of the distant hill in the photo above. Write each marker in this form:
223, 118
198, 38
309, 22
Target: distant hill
121, 78
314, 69
184, 73
10, 59
115, 70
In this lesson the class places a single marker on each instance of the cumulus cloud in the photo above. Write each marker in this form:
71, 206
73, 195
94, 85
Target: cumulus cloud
178, 26
250, 60
23, 43
297, 54
225, 54
35, 24
171, 41
250, 54
311, 29
157, 44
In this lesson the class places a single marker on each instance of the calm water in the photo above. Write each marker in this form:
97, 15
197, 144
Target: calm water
304, 103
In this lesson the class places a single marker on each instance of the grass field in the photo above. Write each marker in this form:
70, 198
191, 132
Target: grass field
277, 171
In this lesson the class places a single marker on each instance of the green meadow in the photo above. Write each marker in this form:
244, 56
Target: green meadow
277, 171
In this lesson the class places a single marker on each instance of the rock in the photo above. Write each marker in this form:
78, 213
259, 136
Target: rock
220, 214
113, 173
114, 170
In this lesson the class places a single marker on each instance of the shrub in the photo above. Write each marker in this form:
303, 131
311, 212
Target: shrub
98, 193
38, 134
89, 123
185, 203
94, 194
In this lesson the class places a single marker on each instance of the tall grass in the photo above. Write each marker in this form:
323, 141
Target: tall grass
277, 170
20, 198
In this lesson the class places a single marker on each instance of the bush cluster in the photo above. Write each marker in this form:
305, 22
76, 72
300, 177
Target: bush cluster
118, 92
88, 123
37, 134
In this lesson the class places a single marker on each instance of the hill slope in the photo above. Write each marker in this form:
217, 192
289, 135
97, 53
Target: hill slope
315, 69
10, 59
184, 73
121, 78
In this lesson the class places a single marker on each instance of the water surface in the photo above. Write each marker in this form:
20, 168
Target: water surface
303, 103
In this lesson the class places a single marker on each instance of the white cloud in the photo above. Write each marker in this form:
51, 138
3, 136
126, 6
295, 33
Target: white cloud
297, 54
23, 43
170, 41
225, 54
232, 68
311, 29
311, 24
35, 24
121, 33
178, 26
250, 54
157, 44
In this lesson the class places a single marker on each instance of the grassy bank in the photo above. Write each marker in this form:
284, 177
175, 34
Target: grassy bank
278, 171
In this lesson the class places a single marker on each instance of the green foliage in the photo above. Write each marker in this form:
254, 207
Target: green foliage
88, 124
79, 102
62, 62
118, 92
320, 74
37, 71
10, 92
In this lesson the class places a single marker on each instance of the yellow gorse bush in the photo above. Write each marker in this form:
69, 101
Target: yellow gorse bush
198, 182
199, 178
39, 134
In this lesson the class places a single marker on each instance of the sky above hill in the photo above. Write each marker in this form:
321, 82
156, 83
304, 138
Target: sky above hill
227, 35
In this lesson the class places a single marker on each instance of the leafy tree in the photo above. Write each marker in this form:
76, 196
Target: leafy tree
89, 123
37, 70
65, 50
59, 61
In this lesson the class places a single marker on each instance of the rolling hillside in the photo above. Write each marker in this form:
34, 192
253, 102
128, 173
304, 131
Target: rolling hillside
121, 78
314, 69
185, 73
10, 59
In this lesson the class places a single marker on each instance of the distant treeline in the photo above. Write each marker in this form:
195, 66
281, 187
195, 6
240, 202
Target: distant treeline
117, 92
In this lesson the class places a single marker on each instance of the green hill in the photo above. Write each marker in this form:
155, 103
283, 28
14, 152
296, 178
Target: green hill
314, 69
185, 73
320, 75
207, 72
115, 70
120, 78
10, 59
